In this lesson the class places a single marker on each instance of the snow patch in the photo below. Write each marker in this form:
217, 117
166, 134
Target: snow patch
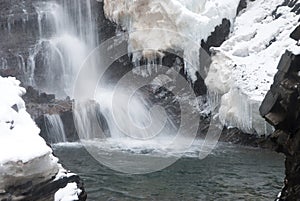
68, 193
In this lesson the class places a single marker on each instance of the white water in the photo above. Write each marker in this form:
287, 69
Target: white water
55, 129
126, 116
67, 34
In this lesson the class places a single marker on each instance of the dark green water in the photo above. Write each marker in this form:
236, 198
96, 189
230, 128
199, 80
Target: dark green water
229, 173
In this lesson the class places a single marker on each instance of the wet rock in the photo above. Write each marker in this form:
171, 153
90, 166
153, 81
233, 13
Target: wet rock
44, 191
281, 108
39, 104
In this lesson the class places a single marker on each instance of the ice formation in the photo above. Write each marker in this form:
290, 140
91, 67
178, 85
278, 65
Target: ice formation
23, 153
154, 26
244, 66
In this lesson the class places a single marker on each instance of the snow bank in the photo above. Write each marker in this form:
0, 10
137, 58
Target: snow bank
68, 193
19, 136
155, 26
244, 66
23, 153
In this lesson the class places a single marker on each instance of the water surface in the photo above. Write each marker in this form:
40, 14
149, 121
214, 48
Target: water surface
230, 173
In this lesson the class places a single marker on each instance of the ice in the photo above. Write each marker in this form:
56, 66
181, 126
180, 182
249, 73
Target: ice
243, 68
156, 26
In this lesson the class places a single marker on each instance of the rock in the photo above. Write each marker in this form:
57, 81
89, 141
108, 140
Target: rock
281, 108
242, 5
44, 191
39, 104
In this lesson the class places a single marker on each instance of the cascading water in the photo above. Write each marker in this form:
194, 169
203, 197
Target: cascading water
55, 129
66, 33
73, 38
58, 35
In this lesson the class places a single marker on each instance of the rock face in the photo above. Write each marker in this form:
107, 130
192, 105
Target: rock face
40, 104
281, 108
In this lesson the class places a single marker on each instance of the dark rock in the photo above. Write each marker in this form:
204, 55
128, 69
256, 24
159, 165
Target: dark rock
281, 108
296, 33
217, 37
39, 104
242, 6
15, 107
41, 192
106, 28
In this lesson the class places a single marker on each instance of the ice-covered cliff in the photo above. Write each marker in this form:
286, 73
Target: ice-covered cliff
244, 66
242, 69
26, 161
155, 26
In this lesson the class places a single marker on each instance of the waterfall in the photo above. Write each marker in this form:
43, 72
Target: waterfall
66, 33
109, 116
54, 129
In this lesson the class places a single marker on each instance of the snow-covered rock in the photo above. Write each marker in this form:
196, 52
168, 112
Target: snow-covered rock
243, 68
155, 26
27, 165
23, 153
68, 193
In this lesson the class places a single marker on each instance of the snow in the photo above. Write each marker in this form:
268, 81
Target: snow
68, 193
243, 67
155, 26
295, 49
24, 155
19, 136
62, 173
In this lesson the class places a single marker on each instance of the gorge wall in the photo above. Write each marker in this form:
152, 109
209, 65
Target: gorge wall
281, 108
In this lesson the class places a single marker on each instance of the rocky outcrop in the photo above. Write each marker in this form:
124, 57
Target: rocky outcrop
43, 191
28, 168
39, 104
281, 108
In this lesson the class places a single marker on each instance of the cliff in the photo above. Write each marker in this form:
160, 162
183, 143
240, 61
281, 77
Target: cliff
281, 108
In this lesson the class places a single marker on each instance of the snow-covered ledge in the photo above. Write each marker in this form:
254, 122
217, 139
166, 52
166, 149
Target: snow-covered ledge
25, 158
243, 68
